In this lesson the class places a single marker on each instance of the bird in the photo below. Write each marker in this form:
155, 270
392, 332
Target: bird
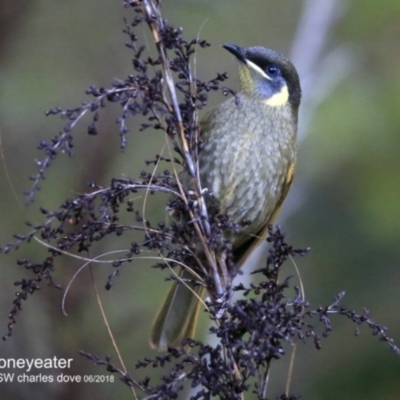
246, 161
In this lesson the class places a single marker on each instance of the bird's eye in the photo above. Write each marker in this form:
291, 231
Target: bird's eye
273, 71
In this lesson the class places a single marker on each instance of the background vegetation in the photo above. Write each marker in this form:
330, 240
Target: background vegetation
344, 204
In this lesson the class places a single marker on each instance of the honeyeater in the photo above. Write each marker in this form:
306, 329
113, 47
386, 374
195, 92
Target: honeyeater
246, 159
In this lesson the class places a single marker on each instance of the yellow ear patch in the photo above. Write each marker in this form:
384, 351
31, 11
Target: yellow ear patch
278, 99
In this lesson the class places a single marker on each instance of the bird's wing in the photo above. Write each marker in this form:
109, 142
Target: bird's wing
242, 252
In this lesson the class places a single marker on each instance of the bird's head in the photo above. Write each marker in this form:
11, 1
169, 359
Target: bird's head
268, 75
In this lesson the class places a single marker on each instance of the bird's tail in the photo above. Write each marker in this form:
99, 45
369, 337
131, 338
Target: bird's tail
177, 318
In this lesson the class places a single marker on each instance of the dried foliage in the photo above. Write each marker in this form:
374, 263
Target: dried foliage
251, 331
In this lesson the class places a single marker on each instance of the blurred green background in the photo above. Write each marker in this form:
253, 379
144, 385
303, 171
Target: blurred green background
344, 203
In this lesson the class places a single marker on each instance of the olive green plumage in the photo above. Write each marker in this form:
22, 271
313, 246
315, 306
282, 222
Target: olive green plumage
246, 161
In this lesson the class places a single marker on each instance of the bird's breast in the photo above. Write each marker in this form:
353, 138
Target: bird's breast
248, 150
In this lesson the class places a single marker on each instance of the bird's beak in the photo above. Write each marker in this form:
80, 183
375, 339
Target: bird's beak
237, 51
